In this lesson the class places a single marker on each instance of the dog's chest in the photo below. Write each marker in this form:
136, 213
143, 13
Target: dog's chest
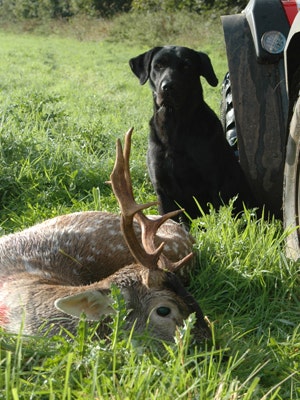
178, 146
173, 161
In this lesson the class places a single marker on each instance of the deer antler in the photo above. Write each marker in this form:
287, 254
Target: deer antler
147, 255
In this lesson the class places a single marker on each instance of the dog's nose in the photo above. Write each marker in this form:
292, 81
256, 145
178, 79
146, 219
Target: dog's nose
166, 85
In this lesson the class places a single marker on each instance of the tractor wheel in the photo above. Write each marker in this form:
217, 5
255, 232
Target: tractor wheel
227, 114
291, 187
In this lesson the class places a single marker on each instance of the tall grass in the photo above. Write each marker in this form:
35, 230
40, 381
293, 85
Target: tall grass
66, 94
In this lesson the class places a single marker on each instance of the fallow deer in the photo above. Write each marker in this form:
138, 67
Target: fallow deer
53, 272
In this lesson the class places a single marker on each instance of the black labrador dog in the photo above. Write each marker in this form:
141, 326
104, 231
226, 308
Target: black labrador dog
188, 158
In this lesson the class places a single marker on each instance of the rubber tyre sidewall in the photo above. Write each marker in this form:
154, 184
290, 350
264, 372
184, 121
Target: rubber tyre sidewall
291, 187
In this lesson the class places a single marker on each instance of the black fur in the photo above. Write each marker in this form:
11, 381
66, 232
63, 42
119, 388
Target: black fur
188, 156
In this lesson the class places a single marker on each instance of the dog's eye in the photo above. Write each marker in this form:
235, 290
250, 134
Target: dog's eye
187, 64
158, 66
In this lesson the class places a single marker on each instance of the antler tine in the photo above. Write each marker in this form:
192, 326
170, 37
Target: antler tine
165, 263
121, 181
148, 255
122, 187
149, 229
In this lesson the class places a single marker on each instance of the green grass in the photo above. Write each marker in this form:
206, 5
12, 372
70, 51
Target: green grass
66, 94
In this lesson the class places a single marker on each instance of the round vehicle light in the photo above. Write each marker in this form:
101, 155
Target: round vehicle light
273, 42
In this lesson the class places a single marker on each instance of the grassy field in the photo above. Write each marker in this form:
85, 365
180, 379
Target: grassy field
66, 94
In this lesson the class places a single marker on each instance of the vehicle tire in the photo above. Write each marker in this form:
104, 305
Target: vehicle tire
227, 114
291, 186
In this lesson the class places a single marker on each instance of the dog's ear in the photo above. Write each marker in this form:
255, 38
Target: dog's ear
206, 69
140, 65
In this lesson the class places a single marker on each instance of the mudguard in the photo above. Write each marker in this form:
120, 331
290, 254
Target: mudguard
261, 108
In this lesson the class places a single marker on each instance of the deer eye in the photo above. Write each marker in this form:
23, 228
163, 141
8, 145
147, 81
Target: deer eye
163, 311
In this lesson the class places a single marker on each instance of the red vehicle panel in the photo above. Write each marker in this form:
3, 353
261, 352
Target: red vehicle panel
291, 7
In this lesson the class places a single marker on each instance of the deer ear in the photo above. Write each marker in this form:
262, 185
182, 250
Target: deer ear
94, 304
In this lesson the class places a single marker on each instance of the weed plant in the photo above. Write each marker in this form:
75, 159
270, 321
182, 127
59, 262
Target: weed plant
66, 94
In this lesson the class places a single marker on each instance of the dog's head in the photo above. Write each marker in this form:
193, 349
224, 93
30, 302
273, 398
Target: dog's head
173, 73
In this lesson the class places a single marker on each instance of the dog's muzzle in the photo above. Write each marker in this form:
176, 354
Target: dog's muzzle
167, 95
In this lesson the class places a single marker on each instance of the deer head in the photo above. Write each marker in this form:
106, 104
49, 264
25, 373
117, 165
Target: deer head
153, 294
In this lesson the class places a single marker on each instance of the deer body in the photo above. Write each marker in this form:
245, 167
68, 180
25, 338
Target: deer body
80, 248
54, 271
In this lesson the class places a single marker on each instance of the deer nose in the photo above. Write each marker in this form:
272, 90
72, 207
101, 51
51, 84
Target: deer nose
166, 86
